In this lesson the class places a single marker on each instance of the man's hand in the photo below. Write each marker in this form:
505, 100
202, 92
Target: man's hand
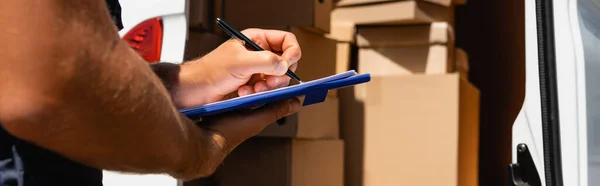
78, 90
232, 68
227, 131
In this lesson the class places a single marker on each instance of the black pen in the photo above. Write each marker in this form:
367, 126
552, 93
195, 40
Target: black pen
237, 34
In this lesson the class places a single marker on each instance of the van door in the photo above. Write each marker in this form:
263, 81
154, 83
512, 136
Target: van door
554, 136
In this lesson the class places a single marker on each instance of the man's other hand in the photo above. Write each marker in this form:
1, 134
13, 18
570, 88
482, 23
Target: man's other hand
232, 68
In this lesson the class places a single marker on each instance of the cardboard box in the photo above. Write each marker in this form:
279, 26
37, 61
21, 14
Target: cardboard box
317, 121
201, 15
425, 59
318, 55
276, 14
411, 130
342, 32
283, 162
391, 13
363, 2
408, 35
397, 12
201, 43
345, 56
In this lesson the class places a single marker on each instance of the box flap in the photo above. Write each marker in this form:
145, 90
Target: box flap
363, 2
432, 59
405, 35
397, 12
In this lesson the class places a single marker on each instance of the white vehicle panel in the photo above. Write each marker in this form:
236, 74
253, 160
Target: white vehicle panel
571, 87
567, 87
528, 124
174, 15
175, 34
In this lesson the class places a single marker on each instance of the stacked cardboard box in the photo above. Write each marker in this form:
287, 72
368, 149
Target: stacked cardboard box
417, 121
301, 149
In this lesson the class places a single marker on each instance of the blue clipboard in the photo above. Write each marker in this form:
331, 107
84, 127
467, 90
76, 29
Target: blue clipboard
314, 91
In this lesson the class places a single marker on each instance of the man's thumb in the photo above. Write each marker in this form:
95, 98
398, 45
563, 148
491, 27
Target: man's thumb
274, 112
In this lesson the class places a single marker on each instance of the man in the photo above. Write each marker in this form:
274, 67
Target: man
75, 99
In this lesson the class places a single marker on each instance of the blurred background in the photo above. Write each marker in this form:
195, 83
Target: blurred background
448, 80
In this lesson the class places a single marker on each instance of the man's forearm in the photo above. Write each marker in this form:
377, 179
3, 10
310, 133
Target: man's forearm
71, 85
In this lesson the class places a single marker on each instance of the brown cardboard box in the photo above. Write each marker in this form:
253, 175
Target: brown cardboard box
342, 31
411, 130
318, 55
391, 13
317, 121
200, 15
407, 35
201, 43
283, 162
397, 12
362, 2
345, 53
424, 59
276, 14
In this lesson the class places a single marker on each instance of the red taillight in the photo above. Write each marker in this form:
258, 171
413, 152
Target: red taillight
146, 39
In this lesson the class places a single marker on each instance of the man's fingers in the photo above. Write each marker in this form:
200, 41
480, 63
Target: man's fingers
239, 127
246, 90
292, 54
261, 62
274, 82
293, 67
273, 112
262, 43
260, 86
256, 78
277, 40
